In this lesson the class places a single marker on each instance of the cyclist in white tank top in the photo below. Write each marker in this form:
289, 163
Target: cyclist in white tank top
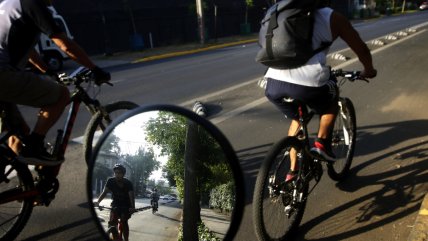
311, 83
315, 73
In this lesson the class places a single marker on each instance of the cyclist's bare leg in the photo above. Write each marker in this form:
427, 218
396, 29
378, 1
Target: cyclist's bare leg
124, 231
292, 131
327, 122
49, 115
15, 144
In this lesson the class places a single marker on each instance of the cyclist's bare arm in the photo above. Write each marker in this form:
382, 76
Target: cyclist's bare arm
132, 198
37, 61
72, 49
341, 27
103, 195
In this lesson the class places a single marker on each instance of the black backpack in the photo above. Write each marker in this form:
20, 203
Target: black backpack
285, 35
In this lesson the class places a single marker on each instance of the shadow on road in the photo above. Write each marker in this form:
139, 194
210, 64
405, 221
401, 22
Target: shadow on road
404, 170
389, 195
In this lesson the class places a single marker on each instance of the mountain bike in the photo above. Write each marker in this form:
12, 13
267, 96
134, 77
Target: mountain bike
278, 206
114, 230
20, 189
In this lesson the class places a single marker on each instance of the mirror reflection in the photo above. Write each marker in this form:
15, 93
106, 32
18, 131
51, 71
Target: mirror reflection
161, 176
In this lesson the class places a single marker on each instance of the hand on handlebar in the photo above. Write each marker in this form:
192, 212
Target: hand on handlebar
52, 74
101, 76
371, 73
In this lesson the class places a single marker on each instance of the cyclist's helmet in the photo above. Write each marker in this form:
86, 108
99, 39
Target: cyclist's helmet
120, 167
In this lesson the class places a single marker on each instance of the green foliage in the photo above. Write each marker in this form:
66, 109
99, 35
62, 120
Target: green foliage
111, 145
168, 131
142, 164
204, 234
249, 3
222, 197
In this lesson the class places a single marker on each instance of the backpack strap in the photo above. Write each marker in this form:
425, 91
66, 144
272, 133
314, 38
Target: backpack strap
324, 45
273, 23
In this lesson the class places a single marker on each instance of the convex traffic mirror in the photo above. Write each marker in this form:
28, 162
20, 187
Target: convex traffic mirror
178, 169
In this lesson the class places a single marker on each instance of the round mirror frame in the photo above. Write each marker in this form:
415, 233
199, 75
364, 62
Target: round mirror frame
210, 128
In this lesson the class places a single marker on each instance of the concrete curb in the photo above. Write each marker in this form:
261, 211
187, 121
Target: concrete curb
420, 228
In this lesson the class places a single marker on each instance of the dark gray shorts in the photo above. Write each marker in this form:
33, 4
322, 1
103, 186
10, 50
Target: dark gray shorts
26, 88
316, 98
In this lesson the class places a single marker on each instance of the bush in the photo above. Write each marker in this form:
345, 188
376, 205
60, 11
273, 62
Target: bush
223, 197
204, 234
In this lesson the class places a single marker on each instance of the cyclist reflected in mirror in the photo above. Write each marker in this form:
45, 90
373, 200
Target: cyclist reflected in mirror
122, 204
179, 171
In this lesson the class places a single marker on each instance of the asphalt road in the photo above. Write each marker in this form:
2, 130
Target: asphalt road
380, 199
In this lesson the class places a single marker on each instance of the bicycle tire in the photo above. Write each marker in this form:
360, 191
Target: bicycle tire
11, 223
97, 123
112, 233
343, 140
270, 220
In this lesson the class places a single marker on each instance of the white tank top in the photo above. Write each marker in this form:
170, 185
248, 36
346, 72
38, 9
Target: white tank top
314, 73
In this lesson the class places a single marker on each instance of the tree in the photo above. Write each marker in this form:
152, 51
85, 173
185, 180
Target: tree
248, 4
168, 131
111, 145
142, 164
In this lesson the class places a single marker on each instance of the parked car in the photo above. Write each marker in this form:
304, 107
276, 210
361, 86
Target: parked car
50, 52
423, 6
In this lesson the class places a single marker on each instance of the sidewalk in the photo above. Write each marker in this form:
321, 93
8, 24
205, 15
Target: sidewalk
420, 228
217, 223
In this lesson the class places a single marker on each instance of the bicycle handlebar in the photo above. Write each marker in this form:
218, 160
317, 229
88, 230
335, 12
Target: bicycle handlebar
135, 210
79, 76
349, 75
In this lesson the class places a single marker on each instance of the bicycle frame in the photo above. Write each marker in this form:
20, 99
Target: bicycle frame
63, 137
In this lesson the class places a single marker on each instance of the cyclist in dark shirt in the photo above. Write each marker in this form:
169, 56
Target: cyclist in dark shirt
154, 198
21, 23
123, 204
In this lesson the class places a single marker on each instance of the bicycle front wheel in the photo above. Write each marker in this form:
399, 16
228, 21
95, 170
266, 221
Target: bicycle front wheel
99, 123
14, 214
343, 140
112, 233
278, 206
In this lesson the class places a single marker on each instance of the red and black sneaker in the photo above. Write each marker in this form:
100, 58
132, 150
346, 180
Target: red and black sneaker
323, 150
291, 175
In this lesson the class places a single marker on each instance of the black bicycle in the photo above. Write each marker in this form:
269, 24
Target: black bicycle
278, 206
115, 229
20, 189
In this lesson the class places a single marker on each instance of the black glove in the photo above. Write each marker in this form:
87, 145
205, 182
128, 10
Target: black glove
100, 76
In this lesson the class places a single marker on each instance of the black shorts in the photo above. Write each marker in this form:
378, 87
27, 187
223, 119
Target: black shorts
319, 99
119, 213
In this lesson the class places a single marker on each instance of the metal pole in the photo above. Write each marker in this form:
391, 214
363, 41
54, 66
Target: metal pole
215, 22
190, 217
200, 14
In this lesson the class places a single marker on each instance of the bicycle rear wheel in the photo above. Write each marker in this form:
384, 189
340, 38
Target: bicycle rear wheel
14, 214
277, 210
98, 124
343, 140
